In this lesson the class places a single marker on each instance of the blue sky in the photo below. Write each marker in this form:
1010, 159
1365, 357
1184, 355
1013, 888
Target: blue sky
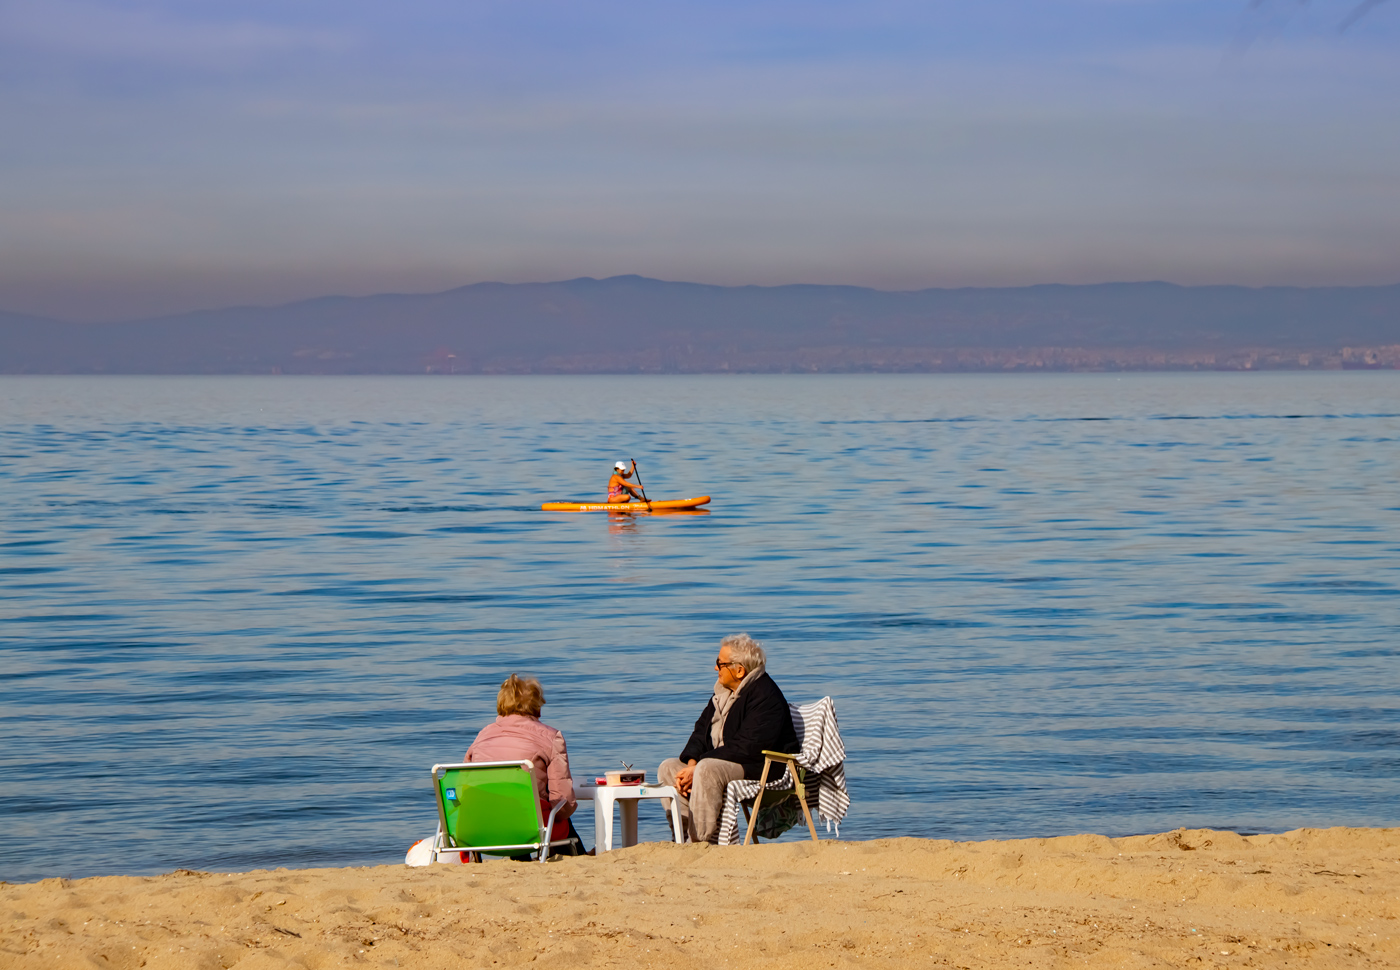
160, 156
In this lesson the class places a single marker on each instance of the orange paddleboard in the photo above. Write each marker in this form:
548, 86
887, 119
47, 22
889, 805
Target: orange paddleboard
664, 505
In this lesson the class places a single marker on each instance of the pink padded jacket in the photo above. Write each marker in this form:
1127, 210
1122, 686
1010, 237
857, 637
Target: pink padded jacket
521, 737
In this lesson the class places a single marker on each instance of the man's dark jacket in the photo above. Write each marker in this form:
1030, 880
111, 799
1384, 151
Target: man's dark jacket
759, 719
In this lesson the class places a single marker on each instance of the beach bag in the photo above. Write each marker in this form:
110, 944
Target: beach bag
775, 819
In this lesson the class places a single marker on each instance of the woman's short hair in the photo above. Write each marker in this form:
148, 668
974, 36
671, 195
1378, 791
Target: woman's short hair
744, 649
520, 695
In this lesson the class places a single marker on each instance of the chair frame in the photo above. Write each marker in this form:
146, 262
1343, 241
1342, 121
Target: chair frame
799, 776
541, 846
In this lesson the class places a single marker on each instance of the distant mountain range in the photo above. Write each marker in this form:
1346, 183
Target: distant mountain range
630, 324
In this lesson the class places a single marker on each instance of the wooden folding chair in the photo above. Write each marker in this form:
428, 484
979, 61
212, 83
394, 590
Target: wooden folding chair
799, 776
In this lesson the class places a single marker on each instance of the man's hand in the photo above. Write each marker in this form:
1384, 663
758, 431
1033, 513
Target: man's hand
684, 777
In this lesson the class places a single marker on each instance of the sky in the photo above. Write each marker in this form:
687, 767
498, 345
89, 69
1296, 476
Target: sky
166, 155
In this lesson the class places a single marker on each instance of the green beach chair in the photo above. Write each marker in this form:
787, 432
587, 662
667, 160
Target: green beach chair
492, 808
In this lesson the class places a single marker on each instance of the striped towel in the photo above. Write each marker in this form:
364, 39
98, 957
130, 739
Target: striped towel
823, 755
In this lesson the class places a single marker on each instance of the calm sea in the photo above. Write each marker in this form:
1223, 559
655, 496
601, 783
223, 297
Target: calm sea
241, 617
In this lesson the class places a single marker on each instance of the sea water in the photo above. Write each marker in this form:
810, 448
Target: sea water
241, 617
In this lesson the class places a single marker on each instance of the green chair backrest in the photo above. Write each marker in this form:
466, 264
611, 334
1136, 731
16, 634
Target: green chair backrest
489, 805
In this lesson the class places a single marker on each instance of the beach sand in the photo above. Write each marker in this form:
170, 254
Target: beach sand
1190, 898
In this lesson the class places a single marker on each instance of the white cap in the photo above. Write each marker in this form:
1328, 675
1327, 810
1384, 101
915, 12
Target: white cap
620, 466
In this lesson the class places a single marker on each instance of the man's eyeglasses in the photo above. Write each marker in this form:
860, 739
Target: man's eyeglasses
731, 663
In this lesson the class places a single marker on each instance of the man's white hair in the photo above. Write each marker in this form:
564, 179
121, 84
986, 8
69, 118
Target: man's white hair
744, 649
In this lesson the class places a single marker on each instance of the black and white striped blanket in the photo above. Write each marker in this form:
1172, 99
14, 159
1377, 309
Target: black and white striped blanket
823, 755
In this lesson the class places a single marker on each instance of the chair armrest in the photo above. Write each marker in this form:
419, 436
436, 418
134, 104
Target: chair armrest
775, 755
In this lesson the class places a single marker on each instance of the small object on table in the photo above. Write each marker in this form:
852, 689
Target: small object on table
624, 778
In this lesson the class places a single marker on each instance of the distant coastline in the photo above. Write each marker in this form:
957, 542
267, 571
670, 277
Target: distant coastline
631, 324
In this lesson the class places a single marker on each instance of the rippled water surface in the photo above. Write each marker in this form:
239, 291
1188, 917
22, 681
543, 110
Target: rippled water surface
240, 617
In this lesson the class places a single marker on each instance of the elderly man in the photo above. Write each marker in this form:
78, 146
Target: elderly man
747, 715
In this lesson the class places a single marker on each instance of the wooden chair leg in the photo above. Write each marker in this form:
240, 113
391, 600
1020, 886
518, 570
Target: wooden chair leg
801, 789
807, 814
758, 800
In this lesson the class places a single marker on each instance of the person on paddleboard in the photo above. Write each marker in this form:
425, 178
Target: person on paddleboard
619, 488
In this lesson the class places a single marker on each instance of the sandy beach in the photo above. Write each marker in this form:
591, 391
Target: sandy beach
1313, 897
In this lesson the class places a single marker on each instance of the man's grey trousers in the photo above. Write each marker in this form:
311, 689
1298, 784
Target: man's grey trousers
700, 812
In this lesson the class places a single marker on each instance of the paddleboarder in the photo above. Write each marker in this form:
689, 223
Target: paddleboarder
619, 488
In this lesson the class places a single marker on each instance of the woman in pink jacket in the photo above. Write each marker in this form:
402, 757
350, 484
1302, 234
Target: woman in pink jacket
518, 735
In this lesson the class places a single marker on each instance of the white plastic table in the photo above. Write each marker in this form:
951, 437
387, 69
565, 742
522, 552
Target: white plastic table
604, 797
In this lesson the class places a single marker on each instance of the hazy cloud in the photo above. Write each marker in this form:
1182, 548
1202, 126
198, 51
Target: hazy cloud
1264, 18
111, 32
1360, 10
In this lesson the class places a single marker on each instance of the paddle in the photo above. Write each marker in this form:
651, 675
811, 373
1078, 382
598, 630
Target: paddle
638, 476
